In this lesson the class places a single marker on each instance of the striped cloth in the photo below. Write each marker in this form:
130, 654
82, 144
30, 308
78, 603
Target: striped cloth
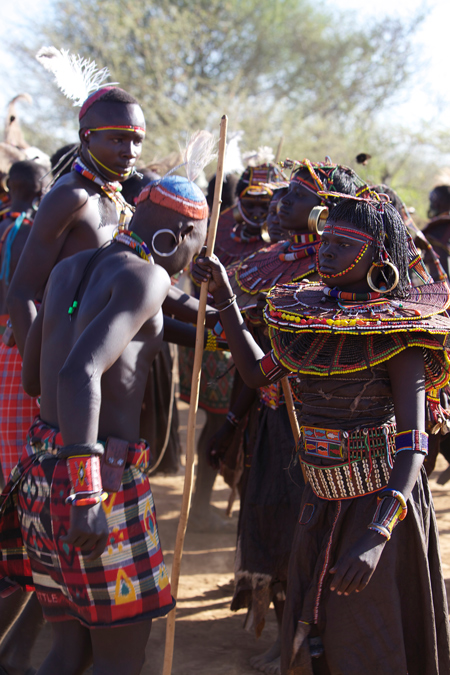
17, 409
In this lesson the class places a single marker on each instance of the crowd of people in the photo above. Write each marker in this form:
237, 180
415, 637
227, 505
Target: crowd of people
324, 378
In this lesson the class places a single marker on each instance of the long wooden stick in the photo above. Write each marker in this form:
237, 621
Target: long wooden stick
193, 407
289, 401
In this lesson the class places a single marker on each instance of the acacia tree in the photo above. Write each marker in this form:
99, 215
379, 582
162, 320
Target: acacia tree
267, 64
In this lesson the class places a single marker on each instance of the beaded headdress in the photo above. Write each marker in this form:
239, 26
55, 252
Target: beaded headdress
181, 194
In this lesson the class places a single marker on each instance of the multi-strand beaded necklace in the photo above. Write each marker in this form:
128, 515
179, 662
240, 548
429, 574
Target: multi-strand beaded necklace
111, 189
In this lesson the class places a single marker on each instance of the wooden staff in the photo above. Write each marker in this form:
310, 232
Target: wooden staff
193, 407
280, 145
289, 401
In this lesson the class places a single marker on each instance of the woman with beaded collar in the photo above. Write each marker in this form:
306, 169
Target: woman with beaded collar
362, 596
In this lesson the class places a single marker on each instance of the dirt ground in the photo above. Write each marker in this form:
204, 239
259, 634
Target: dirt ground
209, 638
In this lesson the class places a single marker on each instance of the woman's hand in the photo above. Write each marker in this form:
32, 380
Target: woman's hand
211, 269
354, 569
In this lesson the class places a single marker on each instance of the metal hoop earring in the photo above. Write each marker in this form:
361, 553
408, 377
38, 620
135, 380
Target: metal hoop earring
160, 253
317, 219
372, 286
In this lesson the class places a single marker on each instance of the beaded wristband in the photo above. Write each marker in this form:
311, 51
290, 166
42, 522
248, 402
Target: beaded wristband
381, 530
232, 419
412, 440
84, 475
74, 500
393, 505
222, 306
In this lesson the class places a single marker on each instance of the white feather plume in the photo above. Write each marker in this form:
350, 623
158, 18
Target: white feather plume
233, 159
76, 77
199, 152
263, 155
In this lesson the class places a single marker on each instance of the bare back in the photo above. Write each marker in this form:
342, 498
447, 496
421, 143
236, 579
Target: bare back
114, 334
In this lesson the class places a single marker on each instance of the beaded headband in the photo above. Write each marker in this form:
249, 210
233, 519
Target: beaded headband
348, 232
117, 128
177, 194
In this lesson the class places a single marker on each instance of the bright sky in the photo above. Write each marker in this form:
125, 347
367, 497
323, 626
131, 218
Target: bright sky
427, 100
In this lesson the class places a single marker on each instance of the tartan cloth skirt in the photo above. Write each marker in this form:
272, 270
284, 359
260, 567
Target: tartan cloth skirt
17, 409
129, 581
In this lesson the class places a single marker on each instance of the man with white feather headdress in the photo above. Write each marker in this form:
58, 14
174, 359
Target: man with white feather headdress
84, 207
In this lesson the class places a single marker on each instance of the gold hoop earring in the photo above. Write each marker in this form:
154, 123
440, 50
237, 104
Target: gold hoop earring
317, 219
372, 286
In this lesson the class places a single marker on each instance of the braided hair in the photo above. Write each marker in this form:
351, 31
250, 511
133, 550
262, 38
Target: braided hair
383, 222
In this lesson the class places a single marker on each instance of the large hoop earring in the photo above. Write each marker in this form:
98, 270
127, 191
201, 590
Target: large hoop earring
317, 219
386, 263
160, 253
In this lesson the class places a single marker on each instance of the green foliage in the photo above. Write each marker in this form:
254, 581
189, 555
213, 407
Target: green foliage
259, 61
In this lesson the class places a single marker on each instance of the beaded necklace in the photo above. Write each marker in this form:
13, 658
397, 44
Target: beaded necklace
126, 237
301, 246
355, 297
111, 189
134, 242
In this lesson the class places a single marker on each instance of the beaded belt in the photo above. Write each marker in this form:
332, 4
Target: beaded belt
368, 455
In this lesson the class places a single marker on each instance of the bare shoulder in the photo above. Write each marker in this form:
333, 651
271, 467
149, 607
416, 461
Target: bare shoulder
63, 202
148, 280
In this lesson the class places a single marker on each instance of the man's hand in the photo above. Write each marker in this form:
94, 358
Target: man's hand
354, 570
219, 444
88, 530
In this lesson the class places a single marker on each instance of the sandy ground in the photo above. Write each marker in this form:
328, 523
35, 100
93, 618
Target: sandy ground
209, 638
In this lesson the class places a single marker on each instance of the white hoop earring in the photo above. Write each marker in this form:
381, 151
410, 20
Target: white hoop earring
160, 253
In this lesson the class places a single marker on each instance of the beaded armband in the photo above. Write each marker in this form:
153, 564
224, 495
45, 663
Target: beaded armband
85, 480
391, 508
412, 440
271, 368
222, 306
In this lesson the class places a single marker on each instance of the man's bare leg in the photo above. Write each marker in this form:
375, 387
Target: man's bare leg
203, 515
120, 651
71, 651
20, 624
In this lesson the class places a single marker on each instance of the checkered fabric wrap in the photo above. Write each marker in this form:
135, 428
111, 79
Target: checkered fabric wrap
128, 582
17, 409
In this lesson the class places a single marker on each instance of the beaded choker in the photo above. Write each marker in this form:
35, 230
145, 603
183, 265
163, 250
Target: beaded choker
354, 297
242, 238
134, 242
111, 190
301, 246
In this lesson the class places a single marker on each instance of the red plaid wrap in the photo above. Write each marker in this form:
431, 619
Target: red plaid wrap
17, 409
126, 584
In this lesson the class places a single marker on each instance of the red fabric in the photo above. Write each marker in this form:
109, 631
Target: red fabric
128, 583
17, 409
